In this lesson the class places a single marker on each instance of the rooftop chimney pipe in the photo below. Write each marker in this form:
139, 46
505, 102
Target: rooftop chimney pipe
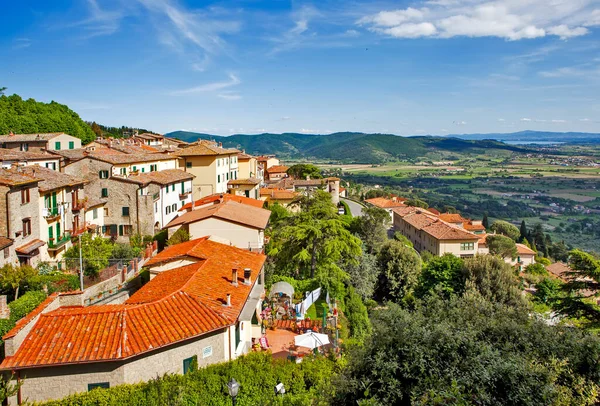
228, 304
247, 273
234, 277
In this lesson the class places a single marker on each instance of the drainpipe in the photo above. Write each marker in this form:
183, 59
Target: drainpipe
19, 397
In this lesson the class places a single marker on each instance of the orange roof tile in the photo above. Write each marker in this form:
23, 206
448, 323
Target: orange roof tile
229, 210
406, 210
176, 305
469, 226
452, 218
384, 203
205, 148
278, 169
278, 194
524, 250
437, 228
218, 197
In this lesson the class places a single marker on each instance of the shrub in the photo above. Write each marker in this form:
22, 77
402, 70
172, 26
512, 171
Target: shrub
20, 308
536, 269
55, 282
181, 235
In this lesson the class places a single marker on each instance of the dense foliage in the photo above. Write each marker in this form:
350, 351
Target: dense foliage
29, 116
20, 308
302, 171
96, 252
470, 351
400, 269
257, 373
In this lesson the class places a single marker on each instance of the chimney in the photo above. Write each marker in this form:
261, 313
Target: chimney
220, 144
11, 134
4, 309
228, 303
234, 277
247, 273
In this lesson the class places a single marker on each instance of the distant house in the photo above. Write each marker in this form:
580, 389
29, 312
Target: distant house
387, 204
525, 257
220, 198
213, 166
240, 224
284, 197
277, 172
37, 142
10, 157
248, 187
267, 161
150, 139
249, 167
427, 232
207, 311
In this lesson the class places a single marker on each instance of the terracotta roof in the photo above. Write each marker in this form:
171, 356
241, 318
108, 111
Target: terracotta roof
164, 177
28, 137
130, 158
560, 270
94, 202
405, 211
384, 203
229, 211
278, 194
437, 228
175, 305
524, 250
243, 156
51, 180
277, 169
452, 218
71, 154
433, 211
204, 147
16, 155
30, 247
225, 198
285, 183
246, 181
15, 177
149, 136
5, 242
469, 226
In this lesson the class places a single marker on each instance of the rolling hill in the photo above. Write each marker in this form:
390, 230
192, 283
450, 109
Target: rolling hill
349, 146
535, 136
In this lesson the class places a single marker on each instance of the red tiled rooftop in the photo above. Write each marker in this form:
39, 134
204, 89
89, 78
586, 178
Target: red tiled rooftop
452, 218
384, 203
524, 250
229, 211
223, 197
278, 169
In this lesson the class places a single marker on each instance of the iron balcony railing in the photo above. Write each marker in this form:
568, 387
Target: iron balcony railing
59, 242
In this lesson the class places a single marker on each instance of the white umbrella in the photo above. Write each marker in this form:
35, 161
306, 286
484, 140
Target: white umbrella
311, 340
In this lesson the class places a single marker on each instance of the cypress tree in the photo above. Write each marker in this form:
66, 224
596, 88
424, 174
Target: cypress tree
485, 221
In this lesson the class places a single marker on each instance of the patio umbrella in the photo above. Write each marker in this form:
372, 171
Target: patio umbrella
311, 340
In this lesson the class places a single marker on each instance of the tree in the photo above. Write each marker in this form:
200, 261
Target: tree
372, 228
357, 315
400, 267
468, 351
485, 222
548, 289
314, 243
559, 251
96, 251
179, 236
583, 287
2, 90
278, 214
442, 274
363, 275
494, 279
302, 171
523, 231
416, 203
398, 236
502, 246
123, 251
507, 229
536, 269
13, 275
96, 129
373, 193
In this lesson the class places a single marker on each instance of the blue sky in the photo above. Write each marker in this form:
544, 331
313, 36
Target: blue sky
403, 67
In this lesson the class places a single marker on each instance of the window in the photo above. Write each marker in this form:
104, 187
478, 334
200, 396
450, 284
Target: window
143, 169
153, 168
71, 145
51, 165
24, 146
188, 164
174, 207
182, 187
187, 363
26, 227
104, 192
218, 162
135, 168
182, 203
207, 351
218, 178
123, 171
168, 210
467, 246
125, 211
95, 214
173, 187
155, 207
57, 145
103, 174
24, 196
227, 174
106, 211
101, 385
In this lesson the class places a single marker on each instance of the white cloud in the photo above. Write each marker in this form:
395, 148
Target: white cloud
229, 96
210, 87
351, 34
460, 123
585, 120
501, 120
509, 19
526, 119
558, 121
21, 43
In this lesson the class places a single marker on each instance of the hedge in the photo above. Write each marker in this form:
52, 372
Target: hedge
20, 308
57, 282
306, 383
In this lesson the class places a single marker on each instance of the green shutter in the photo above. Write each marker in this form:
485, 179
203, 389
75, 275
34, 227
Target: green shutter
58, 230
50, 232
187, 363
71, 145
54, 204
57, 145
182, 187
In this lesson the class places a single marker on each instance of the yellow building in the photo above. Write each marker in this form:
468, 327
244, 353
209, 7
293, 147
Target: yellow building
212, 165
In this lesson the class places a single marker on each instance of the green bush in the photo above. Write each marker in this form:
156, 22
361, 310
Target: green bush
55, 282
536, 269
179, 236
20, 308
257, 373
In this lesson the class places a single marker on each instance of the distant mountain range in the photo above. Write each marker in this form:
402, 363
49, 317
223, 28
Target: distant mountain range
350, 146
534, 136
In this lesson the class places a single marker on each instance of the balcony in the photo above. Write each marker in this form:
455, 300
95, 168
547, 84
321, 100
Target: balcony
55, 244
79, 204
50, 213
185, 194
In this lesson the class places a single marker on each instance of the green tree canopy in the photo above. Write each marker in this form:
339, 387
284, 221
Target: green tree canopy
96, 252
416, 203
507, 229
469, 351
371, 227
301, 171
14, 275
502, 246
442, 274
29, 116
400, 267
179, 236
363, 275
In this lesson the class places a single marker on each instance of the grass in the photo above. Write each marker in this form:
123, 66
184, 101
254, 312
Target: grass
315, 312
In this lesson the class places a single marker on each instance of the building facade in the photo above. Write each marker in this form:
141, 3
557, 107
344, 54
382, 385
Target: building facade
38, 142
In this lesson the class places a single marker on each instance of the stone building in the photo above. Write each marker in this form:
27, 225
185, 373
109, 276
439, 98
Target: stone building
38, 142
10, 157
203, 310
20, 218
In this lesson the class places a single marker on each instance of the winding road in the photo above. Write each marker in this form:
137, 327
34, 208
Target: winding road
355, 208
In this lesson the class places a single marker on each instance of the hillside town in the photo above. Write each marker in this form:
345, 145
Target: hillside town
202, 298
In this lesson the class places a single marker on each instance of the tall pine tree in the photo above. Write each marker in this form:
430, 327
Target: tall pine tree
523, 231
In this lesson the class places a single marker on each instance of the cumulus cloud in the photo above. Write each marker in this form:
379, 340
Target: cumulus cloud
508, 19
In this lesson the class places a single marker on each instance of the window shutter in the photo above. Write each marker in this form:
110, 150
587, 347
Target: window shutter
120, 230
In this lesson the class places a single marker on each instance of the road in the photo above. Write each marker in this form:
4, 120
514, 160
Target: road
355, 208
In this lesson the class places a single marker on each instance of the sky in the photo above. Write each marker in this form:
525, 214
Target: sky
248, 66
